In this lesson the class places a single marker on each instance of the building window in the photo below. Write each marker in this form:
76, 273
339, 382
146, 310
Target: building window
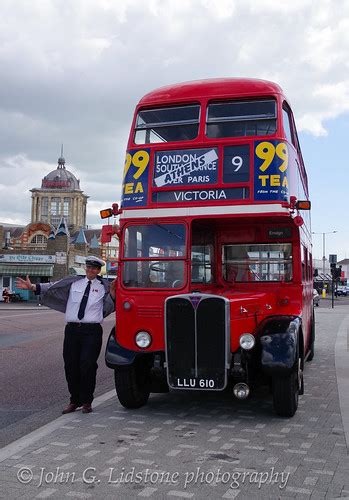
55, 206
44, 206
6, 280
39, 239
42, 210
66, 210
55, 211
66, 207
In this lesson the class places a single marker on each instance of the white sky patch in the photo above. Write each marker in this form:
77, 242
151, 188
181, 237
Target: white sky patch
220, 9
284, 6
96, 45
312, 124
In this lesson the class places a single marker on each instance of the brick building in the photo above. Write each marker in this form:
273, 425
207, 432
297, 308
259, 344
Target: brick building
56, 241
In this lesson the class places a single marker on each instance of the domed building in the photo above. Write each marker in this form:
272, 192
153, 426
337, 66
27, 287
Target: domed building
56, 241
59, 196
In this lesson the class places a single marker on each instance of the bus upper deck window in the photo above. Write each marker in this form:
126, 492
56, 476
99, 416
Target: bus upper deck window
177, 123
241, 118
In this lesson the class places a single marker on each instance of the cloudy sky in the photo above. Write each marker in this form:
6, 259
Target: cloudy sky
72, 72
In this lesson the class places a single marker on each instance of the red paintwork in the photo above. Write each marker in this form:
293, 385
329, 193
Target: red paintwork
210, 89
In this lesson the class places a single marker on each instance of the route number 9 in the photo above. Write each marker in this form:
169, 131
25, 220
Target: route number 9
139, 160
237, 162
266, 151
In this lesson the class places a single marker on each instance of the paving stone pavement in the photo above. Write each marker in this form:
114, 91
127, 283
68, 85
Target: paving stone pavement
194, 445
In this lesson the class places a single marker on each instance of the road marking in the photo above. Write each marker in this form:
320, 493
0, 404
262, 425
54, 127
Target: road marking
25, 441
27, 314
180, 494
147, 492
46, 493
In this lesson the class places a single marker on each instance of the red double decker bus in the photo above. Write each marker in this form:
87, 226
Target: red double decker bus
215, 269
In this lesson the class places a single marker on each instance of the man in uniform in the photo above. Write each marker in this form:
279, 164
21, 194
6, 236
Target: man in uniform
85, 302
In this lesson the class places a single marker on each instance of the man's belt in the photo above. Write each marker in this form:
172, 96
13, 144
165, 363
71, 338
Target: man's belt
72, 323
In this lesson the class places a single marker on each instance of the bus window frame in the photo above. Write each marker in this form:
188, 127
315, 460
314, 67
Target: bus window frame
185, 259
296, 145
169, 106
244, 118
284, 262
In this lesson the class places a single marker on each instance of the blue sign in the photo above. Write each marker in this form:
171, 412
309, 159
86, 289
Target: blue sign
236, 164
271, 161
135, 183
185, 167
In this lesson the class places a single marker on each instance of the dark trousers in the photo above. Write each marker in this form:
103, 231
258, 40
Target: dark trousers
81, 348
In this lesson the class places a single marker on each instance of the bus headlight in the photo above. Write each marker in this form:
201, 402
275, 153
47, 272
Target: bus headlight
247, 341
143, 340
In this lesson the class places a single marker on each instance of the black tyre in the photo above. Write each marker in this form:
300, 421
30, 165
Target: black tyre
286, 391
311, 347
132, 385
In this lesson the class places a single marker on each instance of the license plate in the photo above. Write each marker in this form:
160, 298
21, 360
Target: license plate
194, 383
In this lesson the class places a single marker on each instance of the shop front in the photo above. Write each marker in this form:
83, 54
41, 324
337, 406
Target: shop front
39, 268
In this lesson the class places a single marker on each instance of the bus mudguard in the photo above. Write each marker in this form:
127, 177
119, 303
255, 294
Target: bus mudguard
116, 355
279, 344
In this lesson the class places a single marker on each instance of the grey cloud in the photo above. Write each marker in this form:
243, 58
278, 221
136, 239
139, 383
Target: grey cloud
72, 72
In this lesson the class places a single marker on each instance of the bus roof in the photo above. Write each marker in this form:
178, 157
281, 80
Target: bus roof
212, 89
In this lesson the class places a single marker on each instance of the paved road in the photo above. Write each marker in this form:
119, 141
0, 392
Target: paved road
33, 389
337, 302
197, 445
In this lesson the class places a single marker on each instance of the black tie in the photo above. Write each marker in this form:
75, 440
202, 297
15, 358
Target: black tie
83, 302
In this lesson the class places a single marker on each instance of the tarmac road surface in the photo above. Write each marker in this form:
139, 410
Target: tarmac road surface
33, 389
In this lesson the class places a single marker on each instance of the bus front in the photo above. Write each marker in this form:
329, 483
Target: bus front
214, 284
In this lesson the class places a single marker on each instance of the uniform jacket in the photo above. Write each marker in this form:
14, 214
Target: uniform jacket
55, 295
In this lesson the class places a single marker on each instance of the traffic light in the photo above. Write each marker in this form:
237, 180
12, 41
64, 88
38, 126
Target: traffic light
336, 271
333, 269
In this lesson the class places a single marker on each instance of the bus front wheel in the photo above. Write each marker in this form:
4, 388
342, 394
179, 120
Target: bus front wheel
286, 391
132, 385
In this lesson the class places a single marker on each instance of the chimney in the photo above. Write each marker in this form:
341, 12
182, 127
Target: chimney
7, 239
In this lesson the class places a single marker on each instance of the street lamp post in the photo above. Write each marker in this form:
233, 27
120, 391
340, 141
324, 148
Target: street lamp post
324, 248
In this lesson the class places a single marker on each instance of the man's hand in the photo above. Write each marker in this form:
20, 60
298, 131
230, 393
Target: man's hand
24, 284
112, 289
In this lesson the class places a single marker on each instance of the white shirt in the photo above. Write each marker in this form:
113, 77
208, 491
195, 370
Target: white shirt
94, 306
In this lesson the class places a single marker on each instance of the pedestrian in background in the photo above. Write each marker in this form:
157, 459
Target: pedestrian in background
6, 295
85, 302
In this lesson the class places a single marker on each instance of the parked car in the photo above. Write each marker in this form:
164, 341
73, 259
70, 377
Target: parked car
341, 290
316, 298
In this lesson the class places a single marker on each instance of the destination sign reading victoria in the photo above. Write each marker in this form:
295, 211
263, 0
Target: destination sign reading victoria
200, 195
